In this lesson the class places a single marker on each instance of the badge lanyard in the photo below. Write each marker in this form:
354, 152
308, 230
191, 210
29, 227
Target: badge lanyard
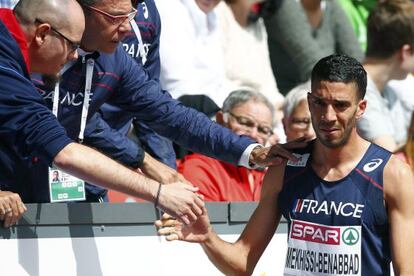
90, 63
140, 43
63, 186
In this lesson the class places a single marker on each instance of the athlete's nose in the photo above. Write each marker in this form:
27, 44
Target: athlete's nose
330, 114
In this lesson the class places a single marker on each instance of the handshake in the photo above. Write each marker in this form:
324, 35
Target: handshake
181, 200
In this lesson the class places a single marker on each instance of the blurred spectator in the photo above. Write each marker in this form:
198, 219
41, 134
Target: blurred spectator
357, 12
246, 54
390, 55
407, 151
8, 3
190, 50
302, 32
296, 115
245, 113
404, 90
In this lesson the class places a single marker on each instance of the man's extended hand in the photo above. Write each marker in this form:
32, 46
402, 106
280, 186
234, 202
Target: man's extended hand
181, 201
276, 154
172, 229
160, 172
11, 208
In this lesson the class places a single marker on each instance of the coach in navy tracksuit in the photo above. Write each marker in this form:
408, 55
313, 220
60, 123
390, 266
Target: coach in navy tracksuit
143, 46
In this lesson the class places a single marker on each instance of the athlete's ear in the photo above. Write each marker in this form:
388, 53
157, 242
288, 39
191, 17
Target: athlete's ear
362, 105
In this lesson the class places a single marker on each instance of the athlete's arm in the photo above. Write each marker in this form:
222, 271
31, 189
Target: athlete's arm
241, 257
83, 162
399, 195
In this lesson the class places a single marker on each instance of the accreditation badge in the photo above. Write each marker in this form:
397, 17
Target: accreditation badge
65, 187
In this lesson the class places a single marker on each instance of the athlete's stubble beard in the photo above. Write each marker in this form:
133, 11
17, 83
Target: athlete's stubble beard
342, 140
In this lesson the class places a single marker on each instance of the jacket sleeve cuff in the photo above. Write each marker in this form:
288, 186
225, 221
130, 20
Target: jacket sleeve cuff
244, 159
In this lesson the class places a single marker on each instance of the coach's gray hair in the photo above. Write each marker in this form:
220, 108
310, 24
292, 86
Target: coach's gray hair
242, 96
294, 97
50, 11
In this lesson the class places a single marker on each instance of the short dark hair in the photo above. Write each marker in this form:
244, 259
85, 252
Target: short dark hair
390, 26
341, 68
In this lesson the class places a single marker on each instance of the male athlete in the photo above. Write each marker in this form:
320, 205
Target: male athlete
348, 202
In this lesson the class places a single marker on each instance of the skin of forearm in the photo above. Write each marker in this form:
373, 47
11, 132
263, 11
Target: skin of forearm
94, 167
227, 257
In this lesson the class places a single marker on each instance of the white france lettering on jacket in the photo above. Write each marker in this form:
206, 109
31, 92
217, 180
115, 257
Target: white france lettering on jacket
133, 49
67, 99
311, 206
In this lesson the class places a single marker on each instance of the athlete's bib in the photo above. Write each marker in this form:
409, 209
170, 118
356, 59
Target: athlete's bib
316, 249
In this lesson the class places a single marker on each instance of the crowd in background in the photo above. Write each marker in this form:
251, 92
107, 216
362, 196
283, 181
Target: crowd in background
270, 47
246, 65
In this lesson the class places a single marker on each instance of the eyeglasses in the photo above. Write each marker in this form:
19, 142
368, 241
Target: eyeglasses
73, 46
300, 123
250, 124
115, 19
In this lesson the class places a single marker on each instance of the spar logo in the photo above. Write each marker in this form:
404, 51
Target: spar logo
311, 206
372, 165
350, 236
315, 233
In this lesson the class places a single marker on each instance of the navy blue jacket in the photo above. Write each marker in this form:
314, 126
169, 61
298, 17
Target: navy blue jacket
28, 129
120, 81
107, 129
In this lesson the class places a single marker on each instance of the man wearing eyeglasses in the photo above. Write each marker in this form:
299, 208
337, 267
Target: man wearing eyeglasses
296, 115
142, 44
38, 36
246, 113
24, 120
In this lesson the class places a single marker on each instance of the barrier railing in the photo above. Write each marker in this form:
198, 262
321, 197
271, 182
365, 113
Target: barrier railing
118, 239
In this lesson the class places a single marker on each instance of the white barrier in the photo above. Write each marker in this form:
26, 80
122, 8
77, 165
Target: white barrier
116, 256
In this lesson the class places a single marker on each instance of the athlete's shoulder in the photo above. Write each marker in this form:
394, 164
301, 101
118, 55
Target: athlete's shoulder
398, 179
396, 169
374, 160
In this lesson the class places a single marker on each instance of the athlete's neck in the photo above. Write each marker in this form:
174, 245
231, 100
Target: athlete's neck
333, 164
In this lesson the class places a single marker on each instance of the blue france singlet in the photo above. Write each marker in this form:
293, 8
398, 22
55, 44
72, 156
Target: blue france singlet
338, 227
